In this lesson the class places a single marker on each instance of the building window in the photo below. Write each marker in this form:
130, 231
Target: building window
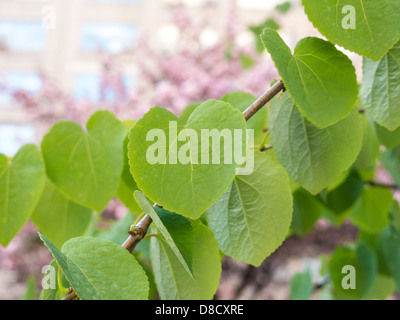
12, 81
93, 88
108, 37
22, 36
14, 136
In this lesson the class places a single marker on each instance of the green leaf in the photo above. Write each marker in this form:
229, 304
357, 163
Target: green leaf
241, 101
173, 280
175, 173
367, 158
389, 139
86, 166
320, 78
58, 217
371, 211
301, 286
21, 185
127, 184
376, 24
246, 61
314, 158
365, 265
306, 211
391, 161
180, 230
343, 196
90, 266
183, 256
284, 7
395, 216
252, 218
389, 251
380, 92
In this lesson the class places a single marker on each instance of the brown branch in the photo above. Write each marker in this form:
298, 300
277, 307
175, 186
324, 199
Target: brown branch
70, 296
262, 101
138, 233
382, 185
265, 148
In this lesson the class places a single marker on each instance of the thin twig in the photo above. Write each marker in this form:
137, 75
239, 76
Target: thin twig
382, 185
70, 296
263, 100
138, 233
262, 146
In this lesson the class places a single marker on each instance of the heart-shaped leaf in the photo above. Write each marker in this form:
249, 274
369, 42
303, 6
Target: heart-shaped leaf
187, 169
21, 185
252, 218
369, 28
314, 158
86, 167
321, 79
99, 269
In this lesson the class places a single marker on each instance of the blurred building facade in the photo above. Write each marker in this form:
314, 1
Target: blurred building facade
62, 39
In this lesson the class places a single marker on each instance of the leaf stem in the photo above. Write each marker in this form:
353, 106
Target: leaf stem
150, 235
262, 146
60, 286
